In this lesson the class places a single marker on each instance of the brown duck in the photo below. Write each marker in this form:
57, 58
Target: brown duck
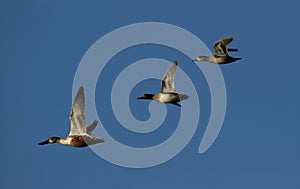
220, 55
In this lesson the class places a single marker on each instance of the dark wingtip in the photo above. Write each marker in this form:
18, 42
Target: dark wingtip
232, 50
176, 62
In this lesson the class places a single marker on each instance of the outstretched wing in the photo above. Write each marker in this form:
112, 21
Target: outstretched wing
220, 46
167, 83
77, 119
91, 127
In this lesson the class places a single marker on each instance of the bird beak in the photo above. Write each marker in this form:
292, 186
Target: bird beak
44, 142
141, 97
193, 60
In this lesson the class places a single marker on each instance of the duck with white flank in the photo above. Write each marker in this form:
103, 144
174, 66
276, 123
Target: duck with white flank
80, 135
167, 93
220, 55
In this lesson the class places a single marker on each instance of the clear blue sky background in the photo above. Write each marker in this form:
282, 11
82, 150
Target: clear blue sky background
42, 43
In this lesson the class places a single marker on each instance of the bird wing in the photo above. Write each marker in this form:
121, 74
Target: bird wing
91, 127
167, 83
77, 119
220, 46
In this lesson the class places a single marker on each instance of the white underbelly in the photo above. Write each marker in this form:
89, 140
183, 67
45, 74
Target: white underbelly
66, 141
167, 98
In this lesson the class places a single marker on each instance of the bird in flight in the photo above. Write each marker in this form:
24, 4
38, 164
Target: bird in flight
80, 135
220, 55
167, 93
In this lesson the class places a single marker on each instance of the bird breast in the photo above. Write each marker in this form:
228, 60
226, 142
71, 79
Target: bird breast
166, 98
66, 141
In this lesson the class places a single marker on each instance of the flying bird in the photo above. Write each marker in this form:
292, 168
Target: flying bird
80, 135
167, 93
220, 55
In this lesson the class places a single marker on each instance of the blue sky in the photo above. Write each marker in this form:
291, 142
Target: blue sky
42, 43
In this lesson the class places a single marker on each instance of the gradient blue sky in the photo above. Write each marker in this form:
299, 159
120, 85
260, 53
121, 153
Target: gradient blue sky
42, 43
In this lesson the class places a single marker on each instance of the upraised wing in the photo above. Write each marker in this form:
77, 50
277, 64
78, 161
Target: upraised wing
77, 119
220, 46
167, 83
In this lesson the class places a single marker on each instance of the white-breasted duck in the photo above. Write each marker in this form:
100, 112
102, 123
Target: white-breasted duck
80, 135
167, 93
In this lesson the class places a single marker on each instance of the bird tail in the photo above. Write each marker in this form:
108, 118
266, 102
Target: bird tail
183, 97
